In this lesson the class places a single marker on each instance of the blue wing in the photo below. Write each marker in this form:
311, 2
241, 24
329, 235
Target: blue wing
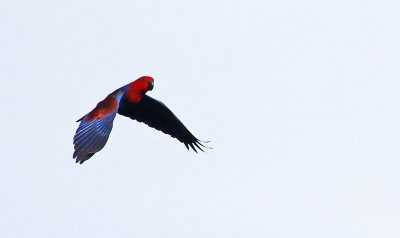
91, 136
95, 127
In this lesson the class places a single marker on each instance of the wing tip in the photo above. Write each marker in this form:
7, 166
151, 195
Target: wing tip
80, 158
198, 144
206, 142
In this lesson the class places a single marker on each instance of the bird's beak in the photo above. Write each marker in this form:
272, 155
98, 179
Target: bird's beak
150, 86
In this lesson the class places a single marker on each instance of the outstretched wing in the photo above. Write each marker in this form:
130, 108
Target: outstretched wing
95, 128
156, 115
91, 137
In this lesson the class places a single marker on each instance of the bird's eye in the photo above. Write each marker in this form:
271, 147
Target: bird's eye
143, 79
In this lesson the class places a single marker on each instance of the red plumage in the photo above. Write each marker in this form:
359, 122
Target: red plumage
107, 106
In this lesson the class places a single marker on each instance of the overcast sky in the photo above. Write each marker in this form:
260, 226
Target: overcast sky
300, 100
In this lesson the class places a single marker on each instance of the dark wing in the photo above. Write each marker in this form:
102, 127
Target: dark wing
156, 115
91, 136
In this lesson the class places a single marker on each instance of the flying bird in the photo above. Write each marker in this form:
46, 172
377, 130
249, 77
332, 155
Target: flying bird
130, 101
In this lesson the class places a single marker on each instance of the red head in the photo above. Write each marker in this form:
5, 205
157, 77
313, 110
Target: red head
139, 87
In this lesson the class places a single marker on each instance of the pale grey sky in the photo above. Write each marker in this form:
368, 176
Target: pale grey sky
299, 98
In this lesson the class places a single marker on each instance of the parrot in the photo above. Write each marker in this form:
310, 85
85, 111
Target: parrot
129, 101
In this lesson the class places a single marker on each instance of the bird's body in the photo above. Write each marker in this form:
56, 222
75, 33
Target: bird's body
130, 101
